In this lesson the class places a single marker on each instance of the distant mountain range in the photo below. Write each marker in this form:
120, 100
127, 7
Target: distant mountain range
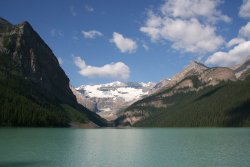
108, 99
150, 104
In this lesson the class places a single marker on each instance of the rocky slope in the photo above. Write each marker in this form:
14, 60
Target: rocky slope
84, 100
30, 55
108, 99
193, 78
241, 68
160, 85
31, 77
193, 69
195, 75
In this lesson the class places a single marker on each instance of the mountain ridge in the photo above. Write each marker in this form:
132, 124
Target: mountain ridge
241, 68
195, 78
108, 99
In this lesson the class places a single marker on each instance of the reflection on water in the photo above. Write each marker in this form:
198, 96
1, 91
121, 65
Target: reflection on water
23, 163
52, 147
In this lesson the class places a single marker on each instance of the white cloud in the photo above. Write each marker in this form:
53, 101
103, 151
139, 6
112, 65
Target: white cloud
79, 62
188, 24
91, 34
235, 41
185, 9
153, 26
72, 11
60, 60
153, 32
245, 9
187, 35
56, 33
234, 56
245, 31
88, 8
117, 70
124, 44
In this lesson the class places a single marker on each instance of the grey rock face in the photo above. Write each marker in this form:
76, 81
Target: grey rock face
85, 101
193, 68
241, 68
23, 50
214, 76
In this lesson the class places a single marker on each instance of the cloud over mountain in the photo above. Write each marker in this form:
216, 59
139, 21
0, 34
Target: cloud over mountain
239, 50
124, 44
234, 56
117, 70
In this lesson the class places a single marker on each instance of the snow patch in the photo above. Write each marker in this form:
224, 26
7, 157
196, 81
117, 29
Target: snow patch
128, 91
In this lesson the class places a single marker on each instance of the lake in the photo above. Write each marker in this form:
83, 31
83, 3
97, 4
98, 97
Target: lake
163, 147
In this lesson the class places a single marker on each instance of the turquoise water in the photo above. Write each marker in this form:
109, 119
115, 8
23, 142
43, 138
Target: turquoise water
52, 147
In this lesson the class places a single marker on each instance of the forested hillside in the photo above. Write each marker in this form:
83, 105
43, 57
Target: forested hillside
226, 104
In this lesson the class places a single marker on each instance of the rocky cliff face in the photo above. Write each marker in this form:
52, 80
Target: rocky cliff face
194, 68
205, 76
36, 81
84, 100
31, 56
214, 76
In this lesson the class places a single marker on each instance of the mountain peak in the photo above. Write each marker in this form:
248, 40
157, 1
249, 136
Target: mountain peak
3, 21
38, 84
28, 30
193, 68
33, 58
196, 64
25, 24
4, 25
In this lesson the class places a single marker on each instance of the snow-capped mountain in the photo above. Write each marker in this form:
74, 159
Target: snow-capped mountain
111, 97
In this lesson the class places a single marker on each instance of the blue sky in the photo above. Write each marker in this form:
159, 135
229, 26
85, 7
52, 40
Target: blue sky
102, 41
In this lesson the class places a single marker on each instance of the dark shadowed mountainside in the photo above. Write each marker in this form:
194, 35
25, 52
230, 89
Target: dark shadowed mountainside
34, 89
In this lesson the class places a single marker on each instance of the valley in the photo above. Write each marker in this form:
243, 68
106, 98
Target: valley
124, 83
32, 78
180, 101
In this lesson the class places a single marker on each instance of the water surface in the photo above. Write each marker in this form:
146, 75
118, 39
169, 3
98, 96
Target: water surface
166, 147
